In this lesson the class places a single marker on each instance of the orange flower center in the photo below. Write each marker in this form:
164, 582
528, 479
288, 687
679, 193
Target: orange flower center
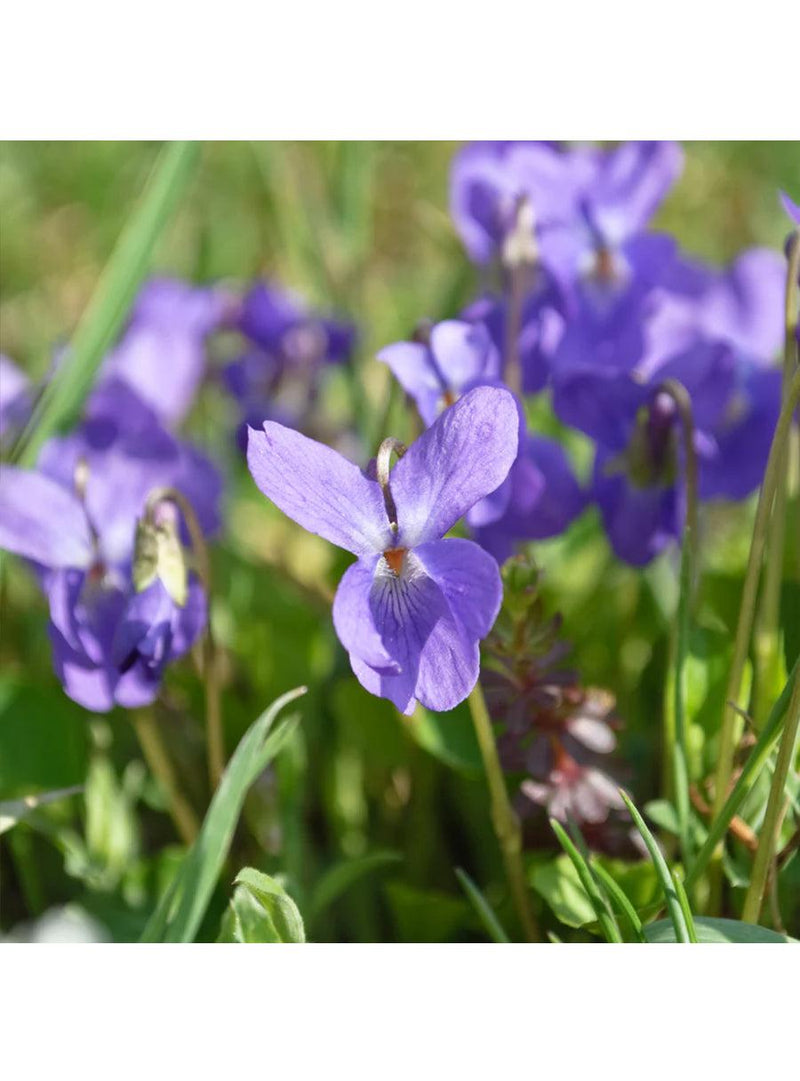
395, 558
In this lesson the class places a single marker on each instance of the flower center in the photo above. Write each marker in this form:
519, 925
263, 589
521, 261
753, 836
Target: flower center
395, 559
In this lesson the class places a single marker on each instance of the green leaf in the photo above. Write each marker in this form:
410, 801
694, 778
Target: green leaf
14, 811
180, 912
339, 878
662, 870
600, 908
558, 883
716, 930
64, 394
261, 911
482, 907
664, 814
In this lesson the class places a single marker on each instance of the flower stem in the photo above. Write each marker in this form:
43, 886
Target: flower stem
155, 753
504, 820
768, 840
767, 642
689, 563
730, 718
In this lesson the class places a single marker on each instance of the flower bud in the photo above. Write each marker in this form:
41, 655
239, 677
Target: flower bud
158, 553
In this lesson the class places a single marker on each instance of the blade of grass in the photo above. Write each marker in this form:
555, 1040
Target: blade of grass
608, 923
63, 397
757, 759
482, 907
686, 908
181, 910
621, 900
674, 909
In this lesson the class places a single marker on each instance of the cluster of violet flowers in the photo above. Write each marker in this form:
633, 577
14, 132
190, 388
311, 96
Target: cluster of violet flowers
102, 518
589, 306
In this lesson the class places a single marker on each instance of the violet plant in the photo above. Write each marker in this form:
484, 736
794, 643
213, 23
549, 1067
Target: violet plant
558, 436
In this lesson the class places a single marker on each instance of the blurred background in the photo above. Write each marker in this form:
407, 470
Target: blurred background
364, 813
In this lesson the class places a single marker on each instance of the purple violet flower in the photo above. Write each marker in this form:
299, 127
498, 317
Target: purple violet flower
291, 335
457, 357
411, 610
490, 181
162, 354
76, 518
110, 643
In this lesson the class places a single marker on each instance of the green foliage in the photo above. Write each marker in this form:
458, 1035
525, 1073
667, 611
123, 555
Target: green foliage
716, 930
181, 909
260, 911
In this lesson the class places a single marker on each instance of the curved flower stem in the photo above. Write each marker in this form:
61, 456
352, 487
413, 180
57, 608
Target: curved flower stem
689, 565
504, 820
767, 643
768, 840
155, 753
215, 741
730, 718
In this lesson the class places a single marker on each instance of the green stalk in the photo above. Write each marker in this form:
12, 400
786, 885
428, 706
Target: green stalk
155, 752
504, 820
64, 395
730, 721
770, 829
768, 643
689, 563
756, 761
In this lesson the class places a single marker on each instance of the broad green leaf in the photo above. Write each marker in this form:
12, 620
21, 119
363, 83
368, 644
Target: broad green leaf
484, 910
103, 319
716, 930
558, 883
339, 878
663, 813
180, 912
14, 811
261, 911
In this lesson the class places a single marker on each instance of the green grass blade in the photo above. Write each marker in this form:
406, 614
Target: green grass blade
757, 759
621, 900
662, 870
482, 907
64, 395
181, 910
608, 924
686, 908
15, 811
